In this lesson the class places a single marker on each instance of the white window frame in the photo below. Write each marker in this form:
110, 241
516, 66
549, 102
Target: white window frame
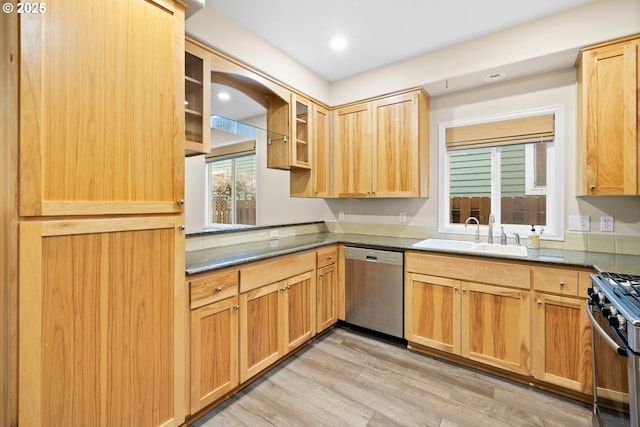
554, 229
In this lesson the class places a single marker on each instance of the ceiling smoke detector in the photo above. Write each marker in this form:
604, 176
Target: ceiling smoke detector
494, 77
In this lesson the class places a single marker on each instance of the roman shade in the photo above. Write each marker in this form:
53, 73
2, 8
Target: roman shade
232, 150
503, 132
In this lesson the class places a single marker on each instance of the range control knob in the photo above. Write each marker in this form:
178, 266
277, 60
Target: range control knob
614, 321
622, 322
613, 311
606, 311
601, 298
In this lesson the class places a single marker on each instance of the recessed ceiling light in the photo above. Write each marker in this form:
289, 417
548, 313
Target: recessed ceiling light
338, 43
494, 77
224, 96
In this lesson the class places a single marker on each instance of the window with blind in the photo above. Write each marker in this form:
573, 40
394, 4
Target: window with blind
507, 165
231, 189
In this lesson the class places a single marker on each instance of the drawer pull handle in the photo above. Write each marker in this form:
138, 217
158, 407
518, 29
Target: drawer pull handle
218, 289
321, 276
329, 258
455, 288
539, 302
236, 307
561, 283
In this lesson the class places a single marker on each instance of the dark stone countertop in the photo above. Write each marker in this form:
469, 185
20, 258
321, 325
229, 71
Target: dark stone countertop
200, 261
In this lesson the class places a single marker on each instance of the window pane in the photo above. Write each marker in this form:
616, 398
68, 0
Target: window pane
245, 196
221, 192
470, 184
523, 199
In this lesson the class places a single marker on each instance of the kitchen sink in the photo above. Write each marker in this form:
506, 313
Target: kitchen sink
471, 247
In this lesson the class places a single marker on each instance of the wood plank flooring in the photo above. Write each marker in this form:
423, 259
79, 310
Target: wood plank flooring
349, 379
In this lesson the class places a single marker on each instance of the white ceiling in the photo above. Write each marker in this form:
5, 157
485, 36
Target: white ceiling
378, 32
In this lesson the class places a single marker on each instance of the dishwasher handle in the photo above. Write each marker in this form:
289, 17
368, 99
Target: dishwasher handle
371, 258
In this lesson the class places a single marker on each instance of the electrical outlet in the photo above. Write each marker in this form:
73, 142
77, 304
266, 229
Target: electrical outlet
341, 216
402, 217
606, 223
274, 234
579, 223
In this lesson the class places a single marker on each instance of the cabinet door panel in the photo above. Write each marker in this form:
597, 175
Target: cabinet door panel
432, 312
102, 104
495, 328
260, 329
610, 84
327, 296
214, 352
353, 151
299, 310
562, 343
100, 331
395, 146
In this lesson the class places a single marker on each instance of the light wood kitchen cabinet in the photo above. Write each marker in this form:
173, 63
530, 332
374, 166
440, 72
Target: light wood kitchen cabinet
562, 353
96, 149
99, 123
296, 152
102, 315
432, 312
496, 326
448, 310
277, 309
327, 288
275, 319
381, 147
315, 182
608, 78
197, 99
214, 336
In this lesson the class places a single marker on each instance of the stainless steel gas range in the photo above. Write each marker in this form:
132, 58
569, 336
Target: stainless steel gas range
614, 309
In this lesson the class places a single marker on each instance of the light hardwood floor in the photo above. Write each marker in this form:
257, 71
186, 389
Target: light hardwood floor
349, 379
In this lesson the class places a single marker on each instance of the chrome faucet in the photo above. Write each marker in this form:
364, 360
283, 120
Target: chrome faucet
477, 240
492, 220
517, 237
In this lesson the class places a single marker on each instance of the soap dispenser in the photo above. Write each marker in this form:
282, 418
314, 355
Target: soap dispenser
533, 239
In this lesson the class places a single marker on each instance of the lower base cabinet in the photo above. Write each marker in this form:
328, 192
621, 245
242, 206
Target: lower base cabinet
488, 324
214, 352
539, 329
275, 319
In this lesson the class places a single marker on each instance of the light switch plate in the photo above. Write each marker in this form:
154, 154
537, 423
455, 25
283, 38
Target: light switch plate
274, 234
579, 223
606, 223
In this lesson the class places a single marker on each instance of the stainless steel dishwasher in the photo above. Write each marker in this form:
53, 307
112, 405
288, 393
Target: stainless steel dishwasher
374, 291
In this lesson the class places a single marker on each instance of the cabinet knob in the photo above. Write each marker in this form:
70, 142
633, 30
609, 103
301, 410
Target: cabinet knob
561, 283
321, 276
288, 287
180, 202
592, 187
236, 307
181, 227
455, 288
218, 289
539, 302
329, 258
282, 289
464, 290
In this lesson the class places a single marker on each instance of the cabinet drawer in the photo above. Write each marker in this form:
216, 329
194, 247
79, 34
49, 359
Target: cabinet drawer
260, 273
326, 256
555, 280
213, 287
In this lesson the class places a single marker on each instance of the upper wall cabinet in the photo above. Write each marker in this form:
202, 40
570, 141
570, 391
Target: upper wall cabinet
608, 122
315, 182
381, 147
197, 99
294, 152
102, 108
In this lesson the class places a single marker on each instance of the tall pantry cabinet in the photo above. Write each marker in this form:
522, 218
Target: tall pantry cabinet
99, 305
